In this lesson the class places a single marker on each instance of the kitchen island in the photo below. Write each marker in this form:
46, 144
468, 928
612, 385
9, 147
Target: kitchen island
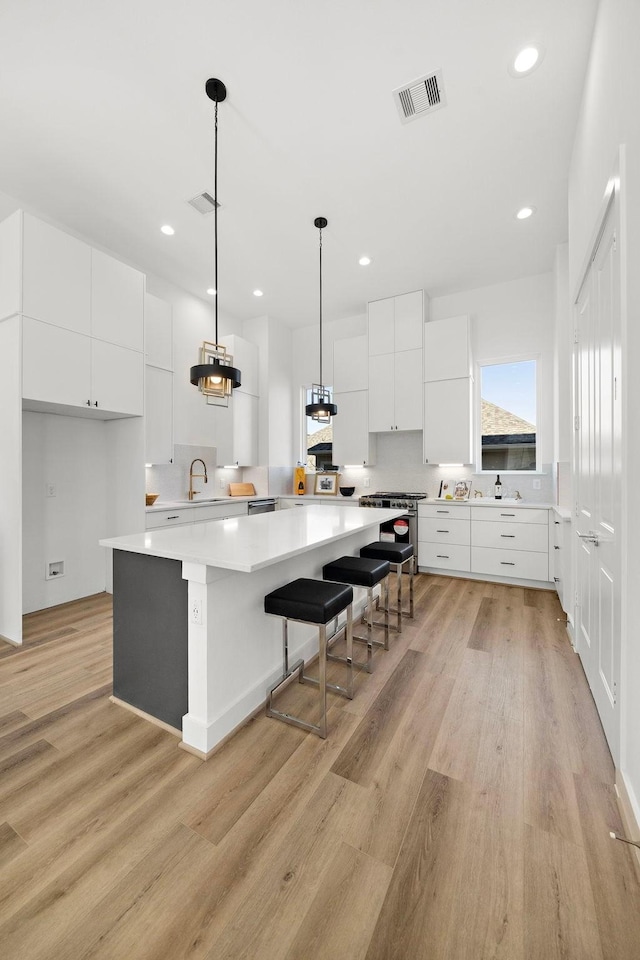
193, 647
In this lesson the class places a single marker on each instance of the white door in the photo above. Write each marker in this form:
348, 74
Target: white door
598, 478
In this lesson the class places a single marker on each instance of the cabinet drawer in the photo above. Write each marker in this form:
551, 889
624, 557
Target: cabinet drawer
437, 510
510, 536
444, 530
168, 518
218, 511
510, 563
444, 556
512, 514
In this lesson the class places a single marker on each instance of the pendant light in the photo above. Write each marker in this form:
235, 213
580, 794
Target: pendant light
321, 408
215, 375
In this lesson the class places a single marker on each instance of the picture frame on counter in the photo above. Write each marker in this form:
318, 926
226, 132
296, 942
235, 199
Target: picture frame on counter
326, 484
462, 490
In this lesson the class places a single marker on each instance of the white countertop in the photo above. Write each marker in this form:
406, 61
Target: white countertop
491, 502
251, 543
189, 504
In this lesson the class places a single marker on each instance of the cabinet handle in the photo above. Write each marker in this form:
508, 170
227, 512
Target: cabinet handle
443, 531
95, 403
557, 523
174, 517
556, 548
507, 514
442, 556
88, 403
443, 511
508, 536
507, 563
557, 579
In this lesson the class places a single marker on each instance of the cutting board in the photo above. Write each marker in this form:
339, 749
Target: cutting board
242, 490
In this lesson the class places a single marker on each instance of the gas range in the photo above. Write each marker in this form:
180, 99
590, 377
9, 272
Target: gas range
393, 499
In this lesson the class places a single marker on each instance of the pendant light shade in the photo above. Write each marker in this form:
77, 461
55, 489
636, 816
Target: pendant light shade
215, 375
321, 407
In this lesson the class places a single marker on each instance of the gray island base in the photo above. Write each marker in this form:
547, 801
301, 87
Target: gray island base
191, 634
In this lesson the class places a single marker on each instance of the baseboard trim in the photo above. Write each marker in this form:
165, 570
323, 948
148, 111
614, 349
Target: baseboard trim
147, 716
629, 821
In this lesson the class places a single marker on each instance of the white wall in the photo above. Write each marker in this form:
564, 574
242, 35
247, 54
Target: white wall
10, 482
609, 119
71, 453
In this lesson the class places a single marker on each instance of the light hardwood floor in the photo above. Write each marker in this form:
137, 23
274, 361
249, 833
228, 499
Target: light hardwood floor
460, 807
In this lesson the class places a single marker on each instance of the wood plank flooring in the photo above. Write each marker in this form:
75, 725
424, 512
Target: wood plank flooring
460, 807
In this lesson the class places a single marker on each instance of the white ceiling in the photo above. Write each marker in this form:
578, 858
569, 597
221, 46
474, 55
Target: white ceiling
106, 128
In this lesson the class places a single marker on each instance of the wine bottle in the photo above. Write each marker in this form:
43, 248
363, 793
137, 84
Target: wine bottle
498, 488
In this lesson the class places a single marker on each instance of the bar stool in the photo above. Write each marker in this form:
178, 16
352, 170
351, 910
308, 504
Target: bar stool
367, 573
398, 554
318, 602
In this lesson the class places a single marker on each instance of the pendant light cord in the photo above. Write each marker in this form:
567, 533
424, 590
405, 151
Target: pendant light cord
215, 214
321, 380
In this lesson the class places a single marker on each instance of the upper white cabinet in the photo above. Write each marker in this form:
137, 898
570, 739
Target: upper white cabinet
158, 332
236, 426
448, 391
396, 323
245, 359
63, 367
350, 367
117, 301
447, 349
56, 276
352, 442
447, 436
82, 319
395, 330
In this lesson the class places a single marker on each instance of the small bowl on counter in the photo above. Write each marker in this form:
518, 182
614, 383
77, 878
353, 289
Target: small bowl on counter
150, 499
347, 491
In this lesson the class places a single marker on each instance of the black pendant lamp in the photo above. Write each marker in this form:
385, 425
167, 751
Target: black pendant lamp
321, 408
215, 375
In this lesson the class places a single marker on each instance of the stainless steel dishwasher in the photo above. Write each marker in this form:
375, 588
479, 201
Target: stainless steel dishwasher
267, 505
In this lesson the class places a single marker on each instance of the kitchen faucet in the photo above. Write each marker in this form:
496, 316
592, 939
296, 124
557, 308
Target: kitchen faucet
192, 476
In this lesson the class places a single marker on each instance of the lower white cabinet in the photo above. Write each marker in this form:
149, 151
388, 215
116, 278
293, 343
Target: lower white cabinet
560, 560
63, 367
447, 432
197, 514
352, 442
158, 415
506, 542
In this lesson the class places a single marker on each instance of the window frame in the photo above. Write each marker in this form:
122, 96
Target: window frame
517, 358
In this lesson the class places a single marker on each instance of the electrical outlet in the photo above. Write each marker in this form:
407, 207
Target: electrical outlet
366, 482
536, 484
50, 489
222, 483
196, 611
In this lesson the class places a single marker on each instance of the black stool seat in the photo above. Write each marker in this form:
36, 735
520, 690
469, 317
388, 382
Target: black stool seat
360, 571
314, 601
383, 550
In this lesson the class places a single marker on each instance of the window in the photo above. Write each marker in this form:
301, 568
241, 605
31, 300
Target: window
508, 416
317, 439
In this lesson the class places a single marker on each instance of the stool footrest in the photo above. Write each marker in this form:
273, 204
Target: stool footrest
297, 667
334, 687
297, 722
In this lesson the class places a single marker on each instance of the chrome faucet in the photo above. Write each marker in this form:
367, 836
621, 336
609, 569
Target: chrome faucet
193, 475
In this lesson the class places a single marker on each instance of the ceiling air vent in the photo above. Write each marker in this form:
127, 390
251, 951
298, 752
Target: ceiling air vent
204, 203
421, 96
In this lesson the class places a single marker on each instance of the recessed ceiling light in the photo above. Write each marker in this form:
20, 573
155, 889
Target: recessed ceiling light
525, 212
257, 293
526, 60
364, 261
167, 230
211, 291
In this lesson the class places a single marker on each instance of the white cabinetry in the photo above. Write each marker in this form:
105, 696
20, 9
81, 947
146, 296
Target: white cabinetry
236, 426
82, 326
56, 276
352, 441
194, 514
60, 367
158, 384
395, 362
117, 302
444, 537
510, 542
448, 392
560, 559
